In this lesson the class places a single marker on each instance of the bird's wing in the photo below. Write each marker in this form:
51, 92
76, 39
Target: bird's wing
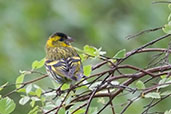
63, 70
75, 68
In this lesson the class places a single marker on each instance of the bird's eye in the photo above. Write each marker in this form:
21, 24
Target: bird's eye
61, 39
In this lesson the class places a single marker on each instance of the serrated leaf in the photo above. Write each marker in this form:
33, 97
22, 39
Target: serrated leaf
19, 81
154, 95
140, 85
7, 106
87, 70
120, 54
38, 64
2, 86
24, 100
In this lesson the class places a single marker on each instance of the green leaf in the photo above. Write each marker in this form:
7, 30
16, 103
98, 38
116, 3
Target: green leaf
99, 52
28, 88
163, 81
19, 81
38, 92
101, 100
61, 111
80, 111
87, 70
90, 50
24, 100
167, 112
167, 28
35, 99
93, 110
154, 95
120, 54
22, 90
114, 82
169, 17
32, 103
4, 85
83, 57
163, 76
38, 64
35, 110
169, 6
7, 105
140, 85
166, 93
65, 86
94, 85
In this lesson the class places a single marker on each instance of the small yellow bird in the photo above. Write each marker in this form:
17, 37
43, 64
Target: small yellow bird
62, 63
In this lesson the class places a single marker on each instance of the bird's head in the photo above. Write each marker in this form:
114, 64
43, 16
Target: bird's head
59, 40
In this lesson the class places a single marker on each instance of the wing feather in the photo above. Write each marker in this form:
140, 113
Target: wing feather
65, 70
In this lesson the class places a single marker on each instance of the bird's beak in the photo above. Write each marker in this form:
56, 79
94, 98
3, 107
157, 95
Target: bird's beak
70, 39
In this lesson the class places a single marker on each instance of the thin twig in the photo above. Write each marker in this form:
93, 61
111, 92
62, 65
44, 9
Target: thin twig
25, 83
156, 2
143, 32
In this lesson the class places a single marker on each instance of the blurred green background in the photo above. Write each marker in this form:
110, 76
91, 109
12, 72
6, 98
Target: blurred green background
26, 24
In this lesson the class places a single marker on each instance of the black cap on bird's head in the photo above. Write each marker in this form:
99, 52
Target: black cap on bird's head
62, 37
59, 39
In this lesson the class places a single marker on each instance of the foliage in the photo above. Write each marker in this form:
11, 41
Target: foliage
107, 77
7, 105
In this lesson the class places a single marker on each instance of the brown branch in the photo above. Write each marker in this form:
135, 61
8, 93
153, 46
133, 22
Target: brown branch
79, 108
25, 83
141, 74
62, 102
93, 93
152, 105
130, 102
112, 107
156, 2
152, 50
143, 32
129, 81
134, 76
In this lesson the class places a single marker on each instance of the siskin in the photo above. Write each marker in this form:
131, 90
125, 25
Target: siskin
62, 62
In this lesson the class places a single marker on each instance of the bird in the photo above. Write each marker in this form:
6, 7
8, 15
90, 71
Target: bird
62, 62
